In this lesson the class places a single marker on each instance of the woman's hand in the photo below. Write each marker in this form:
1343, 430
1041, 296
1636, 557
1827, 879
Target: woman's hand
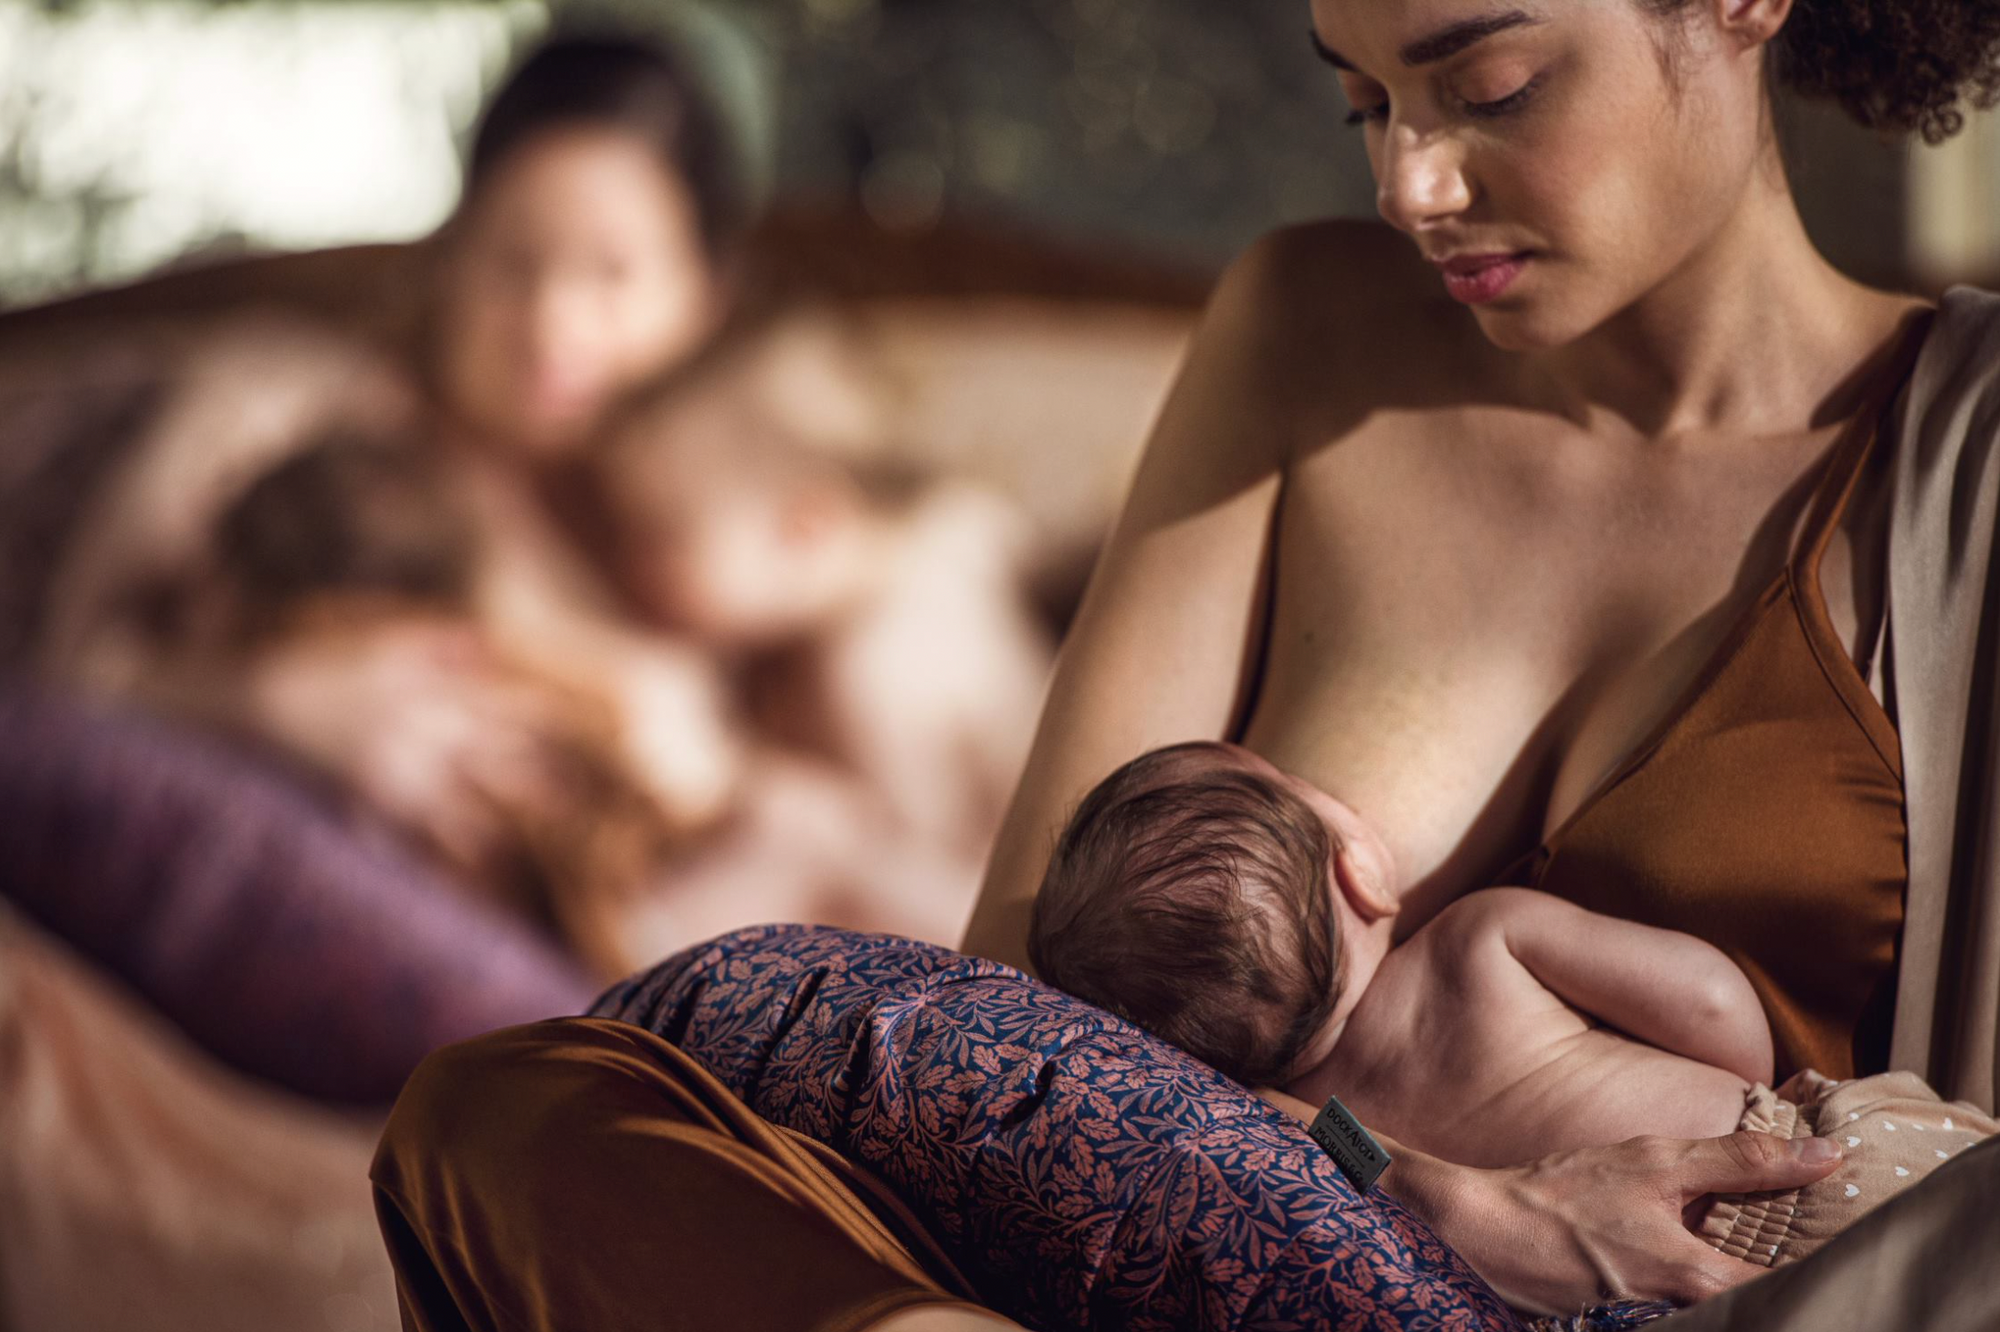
1574, 1229
416, 720
1579, 1227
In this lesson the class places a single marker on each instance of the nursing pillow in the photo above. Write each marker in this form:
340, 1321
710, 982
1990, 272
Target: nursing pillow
246, 910
1082, 1173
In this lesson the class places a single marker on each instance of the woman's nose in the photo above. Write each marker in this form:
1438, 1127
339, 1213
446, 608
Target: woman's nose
1421, 180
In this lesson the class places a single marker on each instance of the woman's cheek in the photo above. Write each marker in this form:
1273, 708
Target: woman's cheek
661, 322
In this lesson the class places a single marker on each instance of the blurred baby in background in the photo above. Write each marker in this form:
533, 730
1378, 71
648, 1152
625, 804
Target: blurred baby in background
876, 617
358, 536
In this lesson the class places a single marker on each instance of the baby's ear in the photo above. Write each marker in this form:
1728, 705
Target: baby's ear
1362, 872
811, 513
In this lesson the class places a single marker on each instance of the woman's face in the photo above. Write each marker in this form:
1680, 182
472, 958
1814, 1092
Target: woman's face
1560, 159
575, 271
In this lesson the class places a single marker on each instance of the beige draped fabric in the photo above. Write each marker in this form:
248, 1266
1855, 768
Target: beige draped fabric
1942, 686
144, 1188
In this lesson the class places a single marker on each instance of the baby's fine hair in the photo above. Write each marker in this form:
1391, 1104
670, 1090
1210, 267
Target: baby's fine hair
349, 513
1190, 896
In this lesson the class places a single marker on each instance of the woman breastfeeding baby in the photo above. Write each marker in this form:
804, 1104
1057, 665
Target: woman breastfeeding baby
413, 593
1551, 527
1554, 528
1246, 916
882, 640
590, 251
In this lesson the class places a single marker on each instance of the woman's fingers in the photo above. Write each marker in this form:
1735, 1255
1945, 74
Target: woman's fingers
517, 773
1746, 1162
419, 720
412, 771
1574, 1228
1751, 1162
462, 826
512, 703
1684, 1268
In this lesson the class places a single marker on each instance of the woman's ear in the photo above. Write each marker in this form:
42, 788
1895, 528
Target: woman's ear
1752, 22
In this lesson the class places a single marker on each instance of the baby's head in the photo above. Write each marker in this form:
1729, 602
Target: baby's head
350, 516
1223, 905
728, 527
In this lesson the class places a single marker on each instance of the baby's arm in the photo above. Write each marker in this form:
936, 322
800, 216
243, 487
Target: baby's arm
1665, 988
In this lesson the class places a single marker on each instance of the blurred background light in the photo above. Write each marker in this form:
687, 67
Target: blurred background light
132, 134
137, 132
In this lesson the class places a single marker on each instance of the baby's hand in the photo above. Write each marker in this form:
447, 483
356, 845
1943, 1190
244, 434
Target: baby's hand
1805, 1085
676, 734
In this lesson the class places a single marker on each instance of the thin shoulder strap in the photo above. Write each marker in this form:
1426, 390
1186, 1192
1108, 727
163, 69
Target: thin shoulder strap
1857, 444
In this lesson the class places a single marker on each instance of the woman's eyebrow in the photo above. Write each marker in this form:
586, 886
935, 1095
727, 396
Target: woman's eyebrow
1328, 54
1440, 45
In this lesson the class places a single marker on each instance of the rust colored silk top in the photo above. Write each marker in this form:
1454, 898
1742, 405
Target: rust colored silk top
1766, 816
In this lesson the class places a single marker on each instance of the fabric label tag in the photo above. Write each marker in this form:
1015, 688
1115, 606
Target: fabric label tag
1341, 1136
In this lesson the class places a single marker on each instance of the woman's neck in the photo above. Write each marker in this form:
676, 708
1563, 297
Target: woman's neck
1754, 334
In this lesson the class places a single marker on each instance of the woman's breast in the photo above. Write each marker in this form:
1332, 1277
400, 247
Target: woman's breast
1453, 691
1409, 674
1436, 768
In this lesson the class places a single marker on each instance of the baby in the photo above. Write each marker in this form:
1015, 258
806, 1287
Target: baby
1244, 915
876, 621
362, 540
356, 536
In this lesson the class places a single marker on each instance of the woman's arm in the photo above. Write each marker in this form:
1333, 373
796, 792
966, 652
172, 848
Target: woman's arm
1163, 646
246, 396
1576, 1228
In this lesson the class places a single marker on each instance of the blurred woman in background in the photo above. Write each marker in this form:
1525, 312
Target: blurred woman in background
593, 252
590, 254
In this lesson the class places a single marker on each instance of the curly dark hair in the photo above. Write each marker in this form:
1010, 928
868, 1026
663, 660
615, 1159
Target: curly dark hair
1904, 66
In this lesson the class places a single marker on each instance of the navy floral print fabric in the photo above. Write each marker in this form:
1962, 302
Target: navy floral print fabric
1082, 1173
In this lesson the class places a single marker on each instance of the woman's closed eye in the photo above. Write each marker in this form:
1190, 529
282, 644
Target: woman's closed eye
1369, 99
1488, 109
1501, 106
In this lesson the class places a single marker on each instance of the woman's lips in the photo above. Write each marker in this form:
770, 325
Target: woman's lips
1477, 279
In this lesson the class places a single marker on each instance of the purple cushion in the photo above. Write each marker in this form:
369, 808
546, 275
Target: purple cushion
246, 911
1082, 1173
